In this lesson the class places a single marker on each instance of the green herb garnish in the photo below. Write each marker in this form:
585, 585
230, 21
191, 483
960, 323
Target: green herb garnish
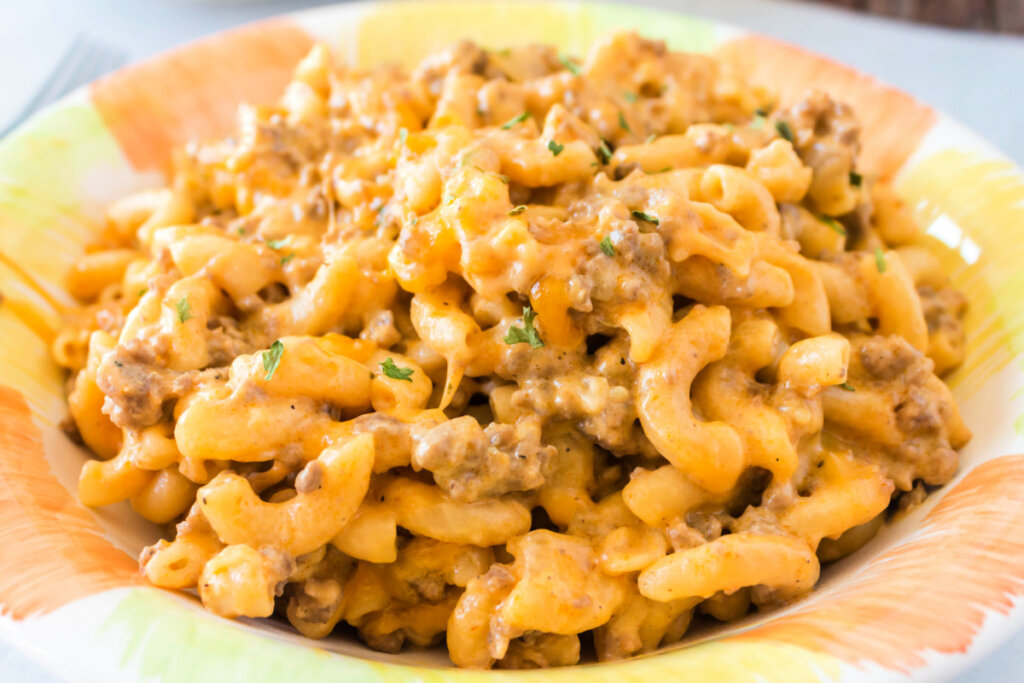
555, 148
286, 259
607, 247
527, 334
641, 216
603, 153
272, 358
784, 130
833, 223
880, 260
403, 134
519, 119
515, 211
503, 178
623, 124
856, 179
569, 64
758, 122
394, 372
761, 111
276, 244
847, 386
630, 96
184, 313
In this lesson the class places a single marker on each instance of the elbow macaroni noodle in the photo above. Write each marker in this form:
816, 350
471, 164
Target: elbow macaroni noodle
501, 351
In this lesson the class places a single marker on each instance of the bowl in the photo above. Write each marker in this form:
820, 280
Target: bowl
934, 591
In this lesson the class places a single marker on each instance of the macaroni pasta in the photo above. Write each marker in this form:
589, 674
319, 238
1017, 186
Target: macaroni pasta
513, 348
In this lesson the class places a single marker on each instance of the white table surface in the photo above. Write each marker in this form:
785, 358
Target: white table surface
976, 78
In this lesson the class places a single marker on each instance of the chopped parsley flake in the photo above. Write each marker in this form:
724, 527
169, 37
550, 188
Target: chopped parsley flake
758, 122
880, 262
603, 153
272, 358
519, 119
650, 138
241, 231
394, 372
142, 292
275, 244
286, 259
572, 66
623, 124
833, 223
607, 247
856, 179
847, 386
403, 134
630, 96
641, 216
527, 334
184, 313
517, 210
555, 148
761, 111
503, 178
784, 130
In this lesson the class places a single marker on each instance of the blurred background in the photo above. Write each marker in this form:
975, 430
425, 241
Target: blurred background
965, 57
1005, 16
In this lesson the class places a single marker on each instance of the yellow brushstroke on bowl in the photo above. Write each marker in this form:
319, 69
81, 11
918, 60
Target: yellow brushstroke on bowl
397, 33
976, 205
31, 282
24, 296
46, 213
394, 32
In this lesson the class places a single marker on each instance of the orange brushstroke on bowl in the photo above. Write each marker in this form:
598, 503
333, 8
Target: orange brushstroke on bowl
193, 93
57, 552
931, 593
893, 122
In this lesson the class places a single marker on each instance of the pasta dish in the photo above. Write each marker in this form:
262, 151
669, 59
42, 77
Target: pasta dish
520, 353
